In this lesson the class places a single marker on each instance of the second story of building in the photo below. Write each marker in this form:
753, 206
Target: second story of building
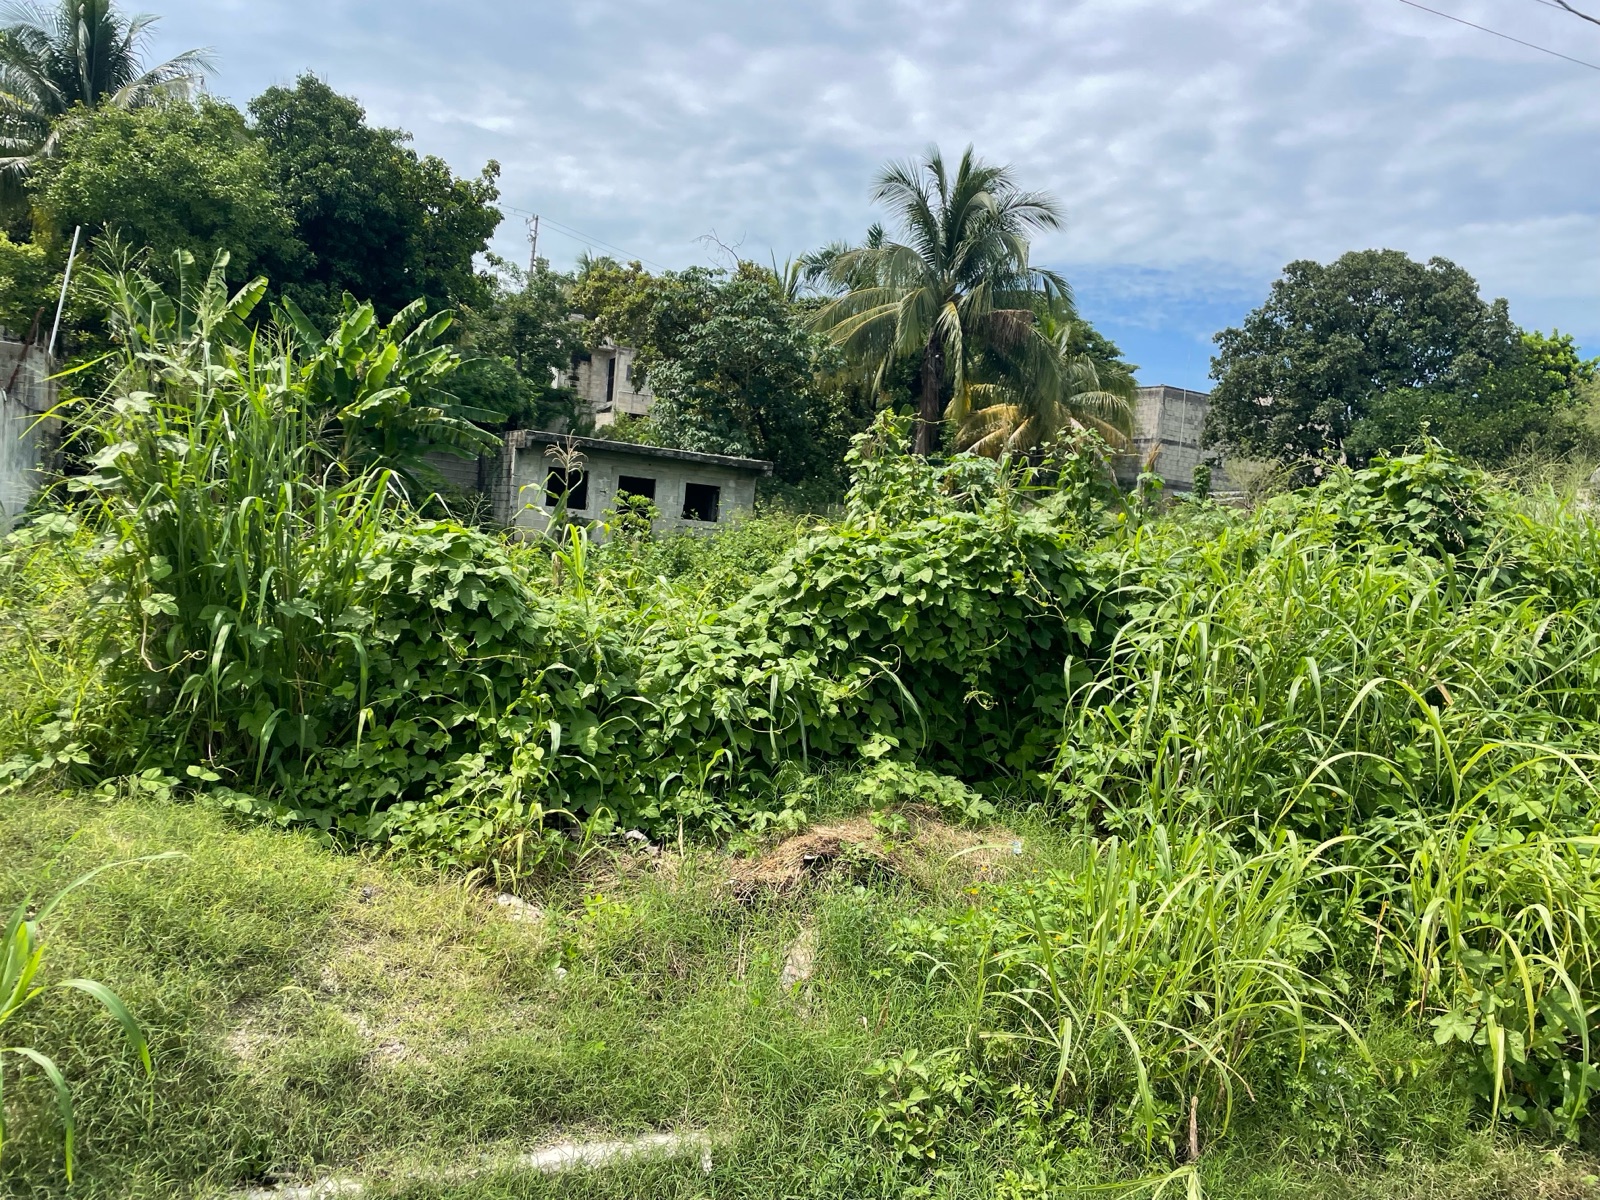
604, 380
1169, 438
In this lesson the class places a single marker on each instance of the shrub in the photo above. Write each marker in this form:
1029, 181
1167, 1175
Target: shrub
1427, 500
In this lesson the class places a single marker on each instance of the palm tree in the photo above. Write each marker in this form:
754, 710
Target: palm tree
960, 280
1025, 409
75, 52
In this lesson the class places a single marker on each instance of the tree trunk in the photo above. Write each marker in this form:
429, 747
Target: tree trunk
930, 410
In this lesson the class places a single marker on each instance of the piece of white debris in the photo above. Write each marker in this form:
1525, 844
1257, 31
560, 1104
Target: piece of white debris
800, 960
518, 909
635, 835
569, 1155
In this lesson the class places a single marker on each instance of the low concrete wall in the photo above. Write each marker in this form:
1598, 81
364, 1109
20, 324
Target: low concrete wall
26, 442
468, 474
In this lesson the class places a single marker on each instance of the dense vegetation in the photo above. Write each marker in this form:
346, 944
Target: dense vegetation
994, 833
1375, 352
1311, 787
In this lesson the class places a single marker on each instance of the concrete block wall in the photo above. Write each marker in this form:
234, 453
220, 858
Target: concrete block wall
1173, 420
521, 491
27, 444
464, 473
607, 390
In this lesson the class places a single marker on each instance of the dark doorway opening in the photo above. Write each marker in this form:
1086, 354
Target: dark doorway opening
574, 485
700, 501
636, 485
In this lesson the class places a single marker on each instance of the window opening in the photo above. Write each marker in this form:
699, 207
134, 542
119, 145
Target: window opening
574, 485
611, 379
701, 501
636, 485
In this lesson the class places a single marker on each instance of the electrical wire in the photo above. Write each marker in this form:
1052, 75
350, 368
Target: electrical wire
579, 235
1485, 29
1571, 12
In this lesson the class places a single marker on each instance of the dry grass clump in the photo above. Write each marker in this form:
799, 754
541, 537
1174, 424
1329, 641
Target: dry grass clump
924, 849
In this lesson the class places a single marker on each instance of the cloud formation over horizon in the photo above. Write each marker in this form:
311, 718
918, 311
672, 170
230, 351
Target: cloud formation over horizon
1197, 145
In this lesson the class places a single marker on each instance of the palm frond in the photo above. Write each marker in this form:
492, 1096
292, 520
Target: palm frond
80, 52
958, 288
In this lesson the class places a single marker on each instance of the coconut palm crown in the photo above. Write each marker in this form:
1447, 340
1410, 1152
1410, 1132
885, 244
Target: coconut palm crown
959, 280
1026, 407
70, 53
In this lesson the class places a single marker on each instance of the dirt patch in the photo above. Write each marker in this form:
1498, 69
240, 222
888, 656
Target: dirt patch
247, 1038
926, 849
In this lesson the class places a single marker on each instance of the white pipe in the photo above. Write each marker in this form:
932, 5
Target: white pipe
66, 278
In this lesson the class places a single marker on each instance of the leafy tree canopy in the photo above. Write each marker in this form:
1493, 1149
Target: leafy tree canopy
629, 306
171, 176
515, 340
1344, 356
731, 362
25, 286
1513, 405
77, 52
377, 220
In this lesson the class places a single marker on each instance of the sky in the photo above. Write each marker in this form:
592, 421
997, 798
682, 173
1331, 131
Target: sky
1196, 145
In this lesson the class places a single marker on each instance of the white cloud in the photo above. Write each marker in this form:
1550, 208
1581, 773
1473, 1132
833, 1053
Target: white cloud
1192, 141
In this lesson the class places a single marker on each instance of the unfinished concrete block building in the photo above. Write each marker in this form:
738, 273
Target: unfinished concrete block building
1168, 423
693, 492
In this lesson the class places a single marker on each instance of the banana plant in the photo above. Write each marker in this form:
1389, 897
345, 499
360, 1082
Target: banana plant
22, 958
384, 389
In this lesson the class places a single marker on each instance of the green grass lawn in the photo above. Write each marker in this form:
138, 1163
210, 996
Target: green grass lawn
315, 1014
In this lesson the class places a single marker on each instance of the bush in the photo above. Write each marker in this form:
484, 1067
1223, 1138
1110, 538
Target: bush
1426, 500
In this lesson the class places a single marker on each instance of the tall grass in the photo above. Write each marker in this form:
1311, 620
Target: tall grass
1147, 975
1274, 677
1430, 723
234, 546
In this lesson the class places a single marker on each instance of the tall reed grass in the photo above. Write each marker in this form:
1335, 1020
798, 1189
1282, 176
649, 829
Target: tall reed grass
235, 547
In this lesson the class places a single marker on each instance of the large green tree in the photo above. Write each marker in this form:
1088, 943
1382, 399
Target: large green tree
377, 220
167, 177
959, 280
1351, 357
732, 364
72, 53
1519, 403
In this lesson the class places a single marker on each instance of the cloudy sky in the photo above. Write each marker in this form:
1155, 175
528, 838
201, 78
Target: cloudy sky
1198, 145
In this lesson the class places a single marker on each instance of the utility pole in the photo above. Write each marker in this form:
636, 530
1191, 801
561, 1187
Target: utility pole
533, 243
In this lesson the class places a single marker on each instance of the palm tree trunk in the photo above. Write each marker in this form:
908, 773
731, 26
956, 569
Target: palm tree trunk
930, 409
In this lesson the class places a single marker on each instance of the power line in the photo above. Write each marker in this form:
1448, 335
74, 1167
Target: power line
1485, 29
1567, 8
579, 235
